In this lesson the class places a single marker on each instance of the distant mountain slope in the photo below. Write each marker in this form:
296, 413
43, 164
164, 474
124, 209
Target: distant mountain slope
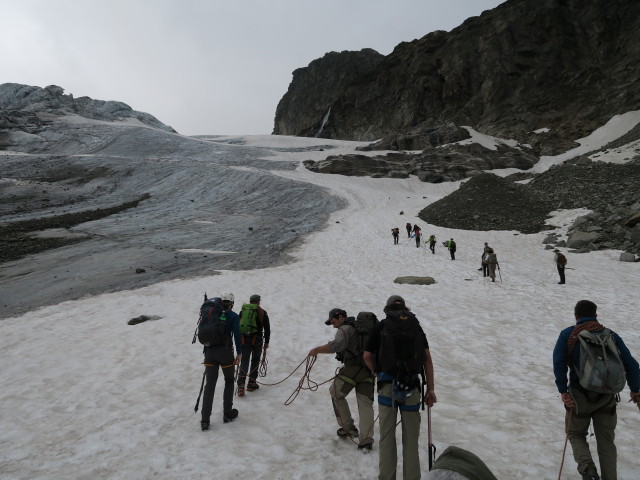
30, 100
566, 65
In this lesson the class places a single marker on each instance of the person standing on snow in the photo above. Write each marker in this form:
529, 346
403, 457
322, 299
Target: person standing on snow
483, 265
221, 356
408, 226
418, 234
491, 261
253, 338
451, 245
399, 386
583, 406
561, 263
396, 235
432, 244
352, 375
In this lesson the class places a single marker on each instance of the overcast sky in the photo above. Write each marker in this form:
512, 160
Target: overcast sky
202, 66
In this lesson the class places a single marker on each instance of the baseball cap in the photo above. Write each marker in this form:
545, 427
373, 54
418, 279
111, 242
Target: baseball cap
334, 313
395, 299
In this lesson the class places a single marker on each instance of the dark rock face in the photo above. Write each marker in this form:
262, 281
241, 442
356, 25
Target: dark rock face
563, 64
304, 109
433, 165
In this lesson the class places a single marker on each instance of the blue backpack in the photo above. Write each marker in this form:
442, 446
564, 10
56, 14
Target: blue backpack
211, 328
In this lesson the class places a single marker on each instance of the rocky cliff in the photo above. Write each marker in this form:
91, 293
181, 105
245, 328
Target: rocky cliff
565, 65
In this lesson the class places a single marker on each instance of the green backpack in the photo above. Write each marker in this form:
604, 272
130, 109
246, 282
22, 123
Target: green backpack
249, 319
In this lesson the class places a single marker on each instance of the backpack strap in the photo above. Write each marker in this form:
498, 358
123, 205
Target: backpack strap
591, 326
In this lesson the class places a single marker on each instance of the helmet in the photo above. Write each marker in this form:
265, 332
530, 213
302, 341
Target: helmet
227, 297
395, 299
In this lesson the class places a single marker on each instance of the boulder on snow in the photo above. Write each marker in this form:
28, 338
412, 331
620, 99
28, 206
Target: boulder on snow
627, 257
581, 239
415, 280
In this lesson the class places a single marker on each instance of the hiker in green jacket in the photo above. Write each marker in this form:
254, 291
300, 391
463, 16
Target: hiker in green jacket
255, 331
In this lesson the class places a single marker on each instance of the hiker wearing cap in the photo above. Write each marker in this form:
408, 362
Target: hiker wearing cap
593, 397
256, 332
398, 352
561, 262
353, 374
221, 356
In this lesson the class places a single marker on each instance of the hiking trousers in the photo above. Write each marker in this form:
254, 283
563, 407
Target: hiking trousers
561, 272
601, 408
215, 358
410, 436
361, 379
251, 352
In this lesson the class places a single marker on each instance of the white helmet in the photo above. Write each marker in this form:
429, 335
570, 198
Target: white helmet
227, 297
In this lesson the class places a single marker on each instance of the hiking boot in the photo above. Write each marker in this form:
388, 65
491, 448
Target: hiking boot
253, 386
204, 425
560, 283
230, 416
343, 433
365, 446
591, 474
241, 391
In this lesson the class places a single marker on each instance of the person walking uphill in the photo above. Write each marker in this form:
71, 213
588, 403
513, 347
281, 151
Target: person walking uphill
353, 374
432, 244
491, 261
221, 356
591, 394
561, 263
398, 352
255, 329
408, 226
483, 264
451, 245
418, 234
396, 235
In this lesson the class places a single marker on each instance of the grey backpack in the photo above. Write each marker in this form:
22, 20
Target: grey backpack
601, 369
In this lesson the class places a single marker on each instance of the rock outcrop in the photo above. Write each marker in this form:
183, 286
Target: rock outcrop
565, 65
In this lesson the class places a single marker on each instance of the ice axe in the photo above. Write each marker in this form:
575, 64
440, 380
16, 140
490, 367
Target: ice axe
432, 447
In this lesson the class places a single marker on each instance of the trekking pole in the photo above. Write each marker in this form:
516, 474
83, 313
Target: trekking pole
499, 273
195, 410
566, 440
432, 447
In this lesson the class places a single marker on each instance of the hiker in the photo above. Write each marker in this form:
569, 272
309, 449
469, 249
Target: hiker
408, 226
432, 244
396, 235
398, 352
418, 233
491, 261
483, 265
451, 245
353, 374
222, 357
584, 405
561, 262
255, 330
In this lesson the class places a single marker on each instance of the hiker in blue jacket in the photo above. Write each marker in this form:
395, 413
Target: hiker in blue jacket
581, 405
222, 356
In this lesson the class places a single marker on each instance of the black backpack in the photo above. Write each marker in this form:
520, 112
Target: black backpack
211, 329
402, 347
363, 325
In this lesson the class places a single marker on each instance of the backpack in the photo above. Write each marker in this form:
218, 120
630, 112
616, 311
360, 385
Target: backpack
364, 325
249, 319
562, 260
601, 369
402, 347
211, 329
